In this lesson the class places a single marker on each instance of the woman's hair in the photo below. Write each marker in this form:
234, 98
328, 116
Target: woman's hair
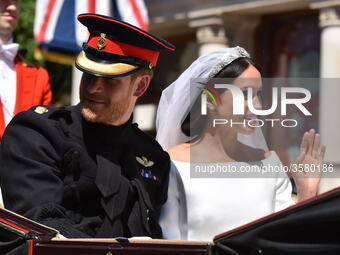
194, 122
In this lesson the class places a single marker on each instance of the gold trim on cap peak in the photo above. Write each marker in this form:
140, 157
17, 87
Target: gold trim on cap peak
105, 69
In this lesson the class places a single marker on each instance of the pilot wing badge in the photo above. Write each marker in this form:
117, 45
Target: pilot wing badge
146, 173
144, 161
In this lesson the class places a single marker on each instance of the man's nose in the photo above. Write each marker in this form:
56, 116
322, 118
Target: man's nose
95, 85
10, 5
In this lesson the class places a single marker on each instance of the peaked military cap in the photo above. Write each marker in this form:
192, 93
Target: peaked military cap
116, 48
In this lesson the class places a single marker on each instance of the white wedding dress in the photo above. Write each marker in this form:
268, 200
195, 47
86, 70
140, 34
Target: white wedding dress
200, 208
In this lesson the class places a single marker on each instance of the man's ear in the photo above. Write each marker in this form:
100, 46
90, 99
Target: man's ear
142, 84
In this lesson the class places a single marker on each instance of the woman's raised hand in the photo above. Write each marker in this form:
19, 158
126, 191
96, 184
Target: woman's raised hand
309, 165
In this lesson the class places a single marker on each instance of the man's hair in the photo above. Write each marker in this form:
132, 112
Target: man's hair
142, 71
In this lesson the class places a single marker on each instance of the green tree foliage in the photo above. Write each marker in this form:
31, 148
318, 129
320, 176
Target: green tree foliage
24, 32
60, 75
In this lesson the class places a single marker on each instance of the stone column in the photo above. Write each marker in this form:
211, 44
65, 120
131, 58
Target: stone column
330, 42
210, 33
76, 77
330, 91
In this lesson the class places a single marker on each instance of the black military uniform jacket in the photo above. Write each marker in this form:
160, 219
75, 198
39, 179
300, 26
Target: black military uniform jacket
84, 179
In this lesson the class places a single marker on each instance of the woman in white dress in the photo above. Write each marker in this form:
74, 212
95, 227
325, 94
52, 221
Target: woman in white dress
199, 208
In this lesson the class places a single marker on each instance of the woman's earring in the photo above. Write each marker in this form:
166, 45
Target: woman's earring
211, 106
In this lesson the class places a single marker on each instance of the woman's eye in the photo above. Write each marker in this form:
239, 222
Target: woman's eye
245, 94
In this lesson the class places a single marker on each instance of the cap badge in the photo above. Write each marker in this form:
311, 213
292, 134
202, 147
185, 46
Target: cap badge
41, 110
144, 161
101, 42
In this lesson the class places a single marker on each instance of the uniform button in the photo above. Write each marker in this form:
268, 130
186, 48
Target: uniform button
147, 218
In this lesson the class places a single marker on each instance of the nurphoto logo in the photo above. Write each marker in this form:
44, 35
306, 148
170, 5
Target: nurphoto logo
239, 102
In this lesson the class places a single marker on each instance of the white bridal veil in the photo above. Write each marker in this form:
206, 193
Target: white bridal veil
177, 99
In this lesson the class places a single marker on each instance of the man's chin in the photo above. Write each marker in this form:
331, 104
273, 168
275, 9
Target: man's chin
89, 115
106, 116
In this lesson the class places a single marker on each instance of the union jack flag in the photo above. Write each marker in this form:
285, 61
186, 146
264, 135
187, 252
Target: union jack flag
59, 34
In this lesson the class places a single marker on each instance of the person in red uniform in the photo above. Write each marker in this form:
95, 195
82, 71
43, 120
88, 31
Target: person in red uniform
22, 85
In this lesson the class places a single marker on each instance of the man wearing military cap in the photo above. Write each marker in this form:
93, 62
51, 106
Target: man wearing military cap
86, 170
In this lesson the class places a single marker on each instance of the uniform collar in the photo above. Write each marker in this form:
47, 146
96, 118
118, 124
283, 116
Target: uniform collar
106, 134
